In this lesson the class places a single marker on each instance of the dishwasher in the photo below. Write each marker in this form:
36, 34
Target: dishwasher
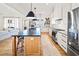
54, 36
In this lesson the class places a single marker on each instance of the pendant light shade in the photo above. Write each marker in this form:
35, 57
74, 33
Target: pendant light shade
30, 14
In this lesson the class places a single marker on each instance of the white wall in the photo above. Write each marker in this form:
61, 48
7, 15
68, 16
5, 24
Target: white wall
6, 11
1, 22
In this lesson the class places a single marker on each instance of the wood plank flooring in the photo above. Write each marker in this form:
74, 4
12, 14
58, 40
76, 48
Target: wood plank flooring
49, 47
5, 47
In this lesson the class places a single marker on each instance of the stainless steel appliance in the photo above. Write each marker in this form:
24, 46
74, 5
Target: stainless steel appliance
54, 36
73, 29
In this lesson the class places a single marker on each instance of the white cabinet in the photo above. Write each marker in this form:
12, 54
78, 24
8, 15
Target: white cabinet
61, 12
58, 36
58, 11
66, 8
75, 5
62, 41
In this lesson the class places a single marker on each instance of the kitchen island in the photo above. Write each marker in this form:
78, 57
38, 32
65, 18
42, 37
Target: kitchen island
32, 41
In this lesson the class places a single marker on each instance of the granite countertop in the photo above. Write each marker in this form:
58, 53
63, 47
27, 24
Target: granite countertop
29, 32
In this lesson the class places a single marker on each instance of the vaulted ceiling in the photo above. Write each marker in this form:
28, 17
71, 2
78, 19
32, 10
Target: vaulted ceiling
42, 9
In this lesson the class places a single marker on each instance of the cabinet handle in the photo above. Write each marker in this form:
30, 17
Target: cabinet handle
63, 41
64, 35
63, 46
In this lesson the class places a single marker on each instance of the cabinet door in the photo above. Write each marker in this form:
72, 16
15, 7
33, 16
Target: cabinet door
62, 41
58, 11
32, 46
75, 5
58, 38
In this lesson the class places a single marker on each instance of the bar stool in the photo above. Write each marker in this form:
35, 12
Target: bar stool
20, 41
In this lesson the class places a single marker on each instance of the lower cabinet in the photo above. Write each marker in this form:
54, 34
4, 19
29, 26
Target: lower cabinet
32, 46
62, 41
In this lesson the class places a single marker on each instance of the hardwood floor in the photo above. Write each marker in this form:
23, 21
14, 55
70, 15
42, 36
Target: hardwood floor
49, 47
5, 47
61, 51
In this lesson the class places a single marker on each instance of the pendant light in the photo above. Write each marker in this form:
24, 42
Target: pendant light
31, 13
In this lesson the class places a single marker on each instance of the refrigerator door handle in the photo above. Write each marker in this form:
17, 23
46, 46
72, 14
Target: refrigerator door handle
76, 36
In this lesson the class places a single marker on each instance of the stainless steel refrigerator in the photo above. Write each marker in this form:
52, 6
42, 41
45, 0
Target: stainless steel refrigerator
73, 32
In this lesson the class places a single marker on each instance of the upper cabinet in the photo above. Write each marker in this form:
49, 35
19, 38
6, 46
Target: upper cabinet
75, 5
61, 12
66, 8
57, 16
58, 11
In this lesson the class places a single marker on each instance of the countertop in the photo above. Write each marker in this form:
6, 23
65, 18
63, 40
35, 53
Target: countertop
29, 32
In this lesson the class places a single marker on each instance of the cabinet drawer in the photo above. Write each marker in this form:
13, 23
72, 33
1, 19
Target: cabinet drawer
63, 41
64, 38
64, 48
63, 45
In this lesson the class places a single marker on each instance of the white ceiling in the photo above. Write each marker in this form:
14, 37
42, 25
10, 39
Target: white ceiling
42, 9
5, 11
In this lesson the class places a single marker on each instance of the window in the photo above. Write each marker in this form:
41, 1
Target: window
11, 22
